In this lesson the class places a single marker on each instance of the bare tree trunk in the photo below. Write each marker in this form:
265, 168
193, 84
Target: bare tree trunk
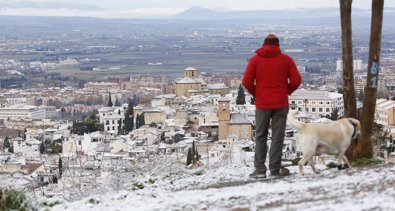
364, 145
350, 107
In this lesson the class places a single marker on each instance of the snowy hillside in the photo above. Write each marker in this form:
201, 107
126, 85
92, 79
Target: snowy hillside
225, 188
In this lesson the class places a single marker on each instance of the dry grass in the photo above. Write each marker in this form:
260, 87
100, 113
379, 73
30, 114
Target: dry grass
14, 200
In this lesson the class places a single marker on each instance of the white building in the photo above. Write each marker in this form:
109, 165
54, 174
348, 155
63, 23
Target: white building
301, 69
82, 144
20, 111
357, 64
16, 100
98, 86
383, 112
112, 118
316, 102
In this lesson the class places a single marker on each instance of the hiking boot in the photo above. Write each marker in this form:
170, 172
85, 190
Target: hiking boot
258, 174
276, 175
282, 172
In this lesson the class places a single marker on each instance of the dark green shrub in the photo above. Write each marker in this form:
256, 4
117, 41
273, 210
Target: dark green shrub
14, 200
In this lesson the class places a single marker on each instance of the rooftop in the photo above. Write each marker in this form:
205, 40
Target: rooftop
315, 95
187, 80
19, 107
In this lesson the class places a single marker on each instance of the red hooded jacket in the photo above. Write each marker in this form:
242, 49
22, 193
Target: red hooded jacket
271, 76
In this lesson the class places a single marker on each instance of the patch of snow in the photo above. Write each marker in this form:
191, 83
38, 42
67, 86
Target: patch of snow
173, 187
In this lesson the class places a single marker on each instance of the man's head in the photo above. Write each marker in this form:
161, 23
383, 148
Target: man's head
271, 39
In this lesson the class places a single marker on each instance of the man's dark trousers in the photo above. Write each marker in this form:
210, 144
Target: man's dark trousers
262, 120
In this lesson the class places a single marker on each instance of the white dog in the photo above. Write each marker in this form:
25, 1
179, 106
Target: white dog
329, 138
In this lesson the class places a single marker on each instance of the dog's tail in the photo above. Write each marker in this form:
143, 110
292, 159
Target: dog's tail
294, 122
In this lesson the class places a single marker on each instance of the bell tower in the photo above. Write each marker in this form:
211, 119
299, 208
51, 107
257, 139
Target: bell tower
191, 72
223, 118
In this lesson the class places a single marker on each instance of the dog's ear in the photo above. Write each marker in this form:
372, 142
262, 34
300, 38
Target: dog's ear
358, 124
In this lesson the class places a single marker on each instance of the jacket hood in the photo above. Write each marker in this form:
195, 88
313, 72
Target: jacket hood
268, 51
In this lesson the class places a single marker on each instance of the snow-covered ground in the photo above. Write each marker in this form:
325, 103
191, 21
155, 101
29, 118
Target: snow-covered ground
224, 187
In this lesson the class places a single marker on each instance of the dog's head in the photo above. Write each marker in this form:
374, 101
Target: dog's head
357, 127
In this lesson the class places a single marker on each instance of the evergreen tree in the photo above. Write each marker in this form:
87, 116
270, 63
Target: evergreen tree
62, 112
334, 114
24, 134
129, 116
162, 137
42, 148
60, 166
120, 128
189, 157
55, 179
193, 152
135, 101
340, 90
57, 146
11, 149
196, 154
153, 124
241, 98
109, 100
7, 143
142, 120
137, 121
117, 102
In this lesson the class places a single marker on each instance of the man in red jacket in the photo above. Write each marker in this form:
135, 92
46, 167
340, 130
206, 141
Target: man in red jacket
270, 76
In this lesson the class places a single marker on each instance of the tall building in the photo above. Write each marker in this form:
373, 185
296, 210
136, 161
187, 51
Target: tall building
223, 117
357, 64
232, 124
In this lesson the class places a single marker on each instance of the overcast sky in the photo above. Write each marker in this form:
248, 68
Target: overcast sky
131, 8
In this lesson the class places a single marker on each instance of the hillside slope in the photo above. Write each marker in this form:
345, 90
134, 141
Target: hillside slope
359, 188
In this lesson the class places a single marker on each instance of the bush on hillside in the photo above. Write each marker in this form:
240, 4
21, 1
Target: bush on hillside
14, 200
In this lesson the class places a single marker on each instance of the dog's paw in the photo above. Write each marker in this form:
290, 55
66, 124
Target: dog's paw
342, 167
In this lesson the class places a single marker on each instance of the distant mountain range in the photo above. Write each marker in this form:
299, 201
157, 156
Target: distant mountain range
59, 8
197, 13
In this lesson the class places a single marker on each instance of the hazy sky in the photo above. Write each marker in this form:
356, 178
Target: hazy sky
228, 4
135, 8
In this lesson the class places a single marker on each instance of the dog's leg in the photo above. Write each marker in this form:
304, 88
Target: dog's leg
340, 158
346, 163
311, 163
305, 158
